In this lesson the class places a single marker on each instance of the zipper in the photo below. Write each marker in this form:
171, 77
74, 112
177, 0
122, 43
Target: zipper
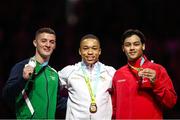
47, 94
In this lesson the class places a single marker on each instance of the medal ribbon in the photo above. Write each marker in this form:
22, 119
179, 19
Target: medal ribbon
138, 68
88, 83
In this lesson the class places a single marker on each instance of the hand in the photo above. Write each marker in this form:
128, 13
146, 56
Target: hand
27, 71
148, 73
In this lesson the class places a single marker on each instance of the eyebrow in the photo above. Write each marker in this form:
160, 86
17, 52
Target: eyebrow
132, 42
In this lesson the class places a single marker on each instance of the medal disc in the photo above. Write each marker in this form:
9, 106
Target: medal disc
93, 108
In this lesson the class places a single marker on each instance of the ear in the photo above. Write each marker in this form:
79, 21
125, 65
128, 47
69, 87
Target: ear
122, 47
54, 47
35, 43
79, 52
143, 46
100, 51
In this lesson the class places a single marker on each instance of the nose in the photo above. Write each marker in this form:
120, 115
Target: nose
132, 47
90, 51
48, 44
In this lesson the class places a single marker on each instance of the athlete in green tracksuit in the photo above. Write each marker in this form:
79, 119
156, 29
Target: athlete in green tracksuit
44, 85
34, 86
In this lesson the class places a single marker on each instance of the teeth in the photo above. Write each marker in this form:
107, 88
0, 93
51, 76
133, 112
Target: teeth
132, 53
90, 58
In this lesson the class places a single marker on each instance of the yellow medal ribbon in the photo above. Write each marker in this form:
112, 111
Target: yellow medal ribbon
87, 80
93, 107
135, 68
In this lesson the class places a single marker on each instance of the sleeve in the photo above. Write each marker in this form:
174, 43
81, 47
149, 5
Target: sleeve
14, 84
113, 97
65, 73
164, 89
110, 71
61, 104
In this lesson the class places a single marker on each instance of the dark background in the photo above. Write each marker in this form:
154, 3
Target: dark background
108, 19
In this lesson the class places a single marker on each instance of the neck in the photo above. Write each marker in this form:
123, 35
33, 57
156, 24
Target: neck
89, 66
40, 59
136, 62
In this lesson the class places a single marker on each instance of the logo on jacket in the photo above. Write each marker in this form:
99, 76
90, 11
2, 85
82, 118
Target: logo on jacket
121, 80
143, 81
53, 78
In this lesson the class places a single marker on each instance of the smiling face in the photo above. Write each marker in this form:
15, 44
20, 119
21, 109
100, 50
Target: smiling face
90, 50
133, 47
45, 43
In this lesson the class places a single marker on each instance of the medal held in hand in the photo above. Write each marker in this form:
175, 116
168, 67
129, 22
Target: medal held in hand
93, 108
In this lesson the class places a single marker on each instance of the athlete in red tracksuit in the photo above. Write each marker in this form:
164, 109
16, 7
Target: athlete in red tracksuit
141, 89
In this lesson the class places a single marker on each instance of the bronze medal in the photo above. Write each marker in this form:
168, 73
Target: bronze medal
93, 108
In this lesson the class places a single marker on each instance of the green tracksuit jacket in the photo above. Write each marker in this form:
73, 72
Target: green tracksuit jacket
41, 90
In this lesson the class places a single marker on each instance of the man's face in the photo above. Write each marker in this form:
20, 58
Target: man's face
45, 43
90, 50
133, 47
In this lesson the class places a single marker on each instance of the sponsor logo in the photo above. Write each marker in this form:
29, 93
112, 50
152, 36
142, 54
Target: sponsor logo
143, 81
53, 78
121, 80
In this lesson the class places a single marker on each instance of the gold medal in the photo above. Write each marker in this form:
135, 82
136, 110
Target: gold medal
93, 108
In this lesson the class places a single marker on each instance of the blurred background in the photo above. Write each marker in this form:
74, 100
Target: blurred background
159, 20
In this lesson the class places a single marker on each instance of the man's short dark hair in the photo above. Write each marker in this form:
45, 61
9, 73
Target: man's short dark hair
130, 32
90, 36
45, 30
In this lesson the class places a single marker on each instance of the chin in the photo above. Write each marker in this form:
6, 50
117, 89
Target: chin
45, 56
90, 63
133, 59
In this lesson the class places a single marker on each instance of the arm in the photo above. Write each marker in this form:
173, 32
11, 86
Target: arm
61, 98
110, 71
113, 97
64, 75
14, 84
163, 88
62, 92
61, 101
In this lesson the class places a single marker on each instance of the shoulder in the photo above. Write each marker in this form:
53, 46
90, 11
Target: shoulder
23, 62
155, 66
18, 68
20, 64
123, 68
109, 69
121, 73
52, 69
160, 70
69, 69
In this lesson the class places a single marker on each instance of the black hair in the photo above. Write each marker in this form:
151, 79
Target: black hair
90, 36
45, 30
130, 32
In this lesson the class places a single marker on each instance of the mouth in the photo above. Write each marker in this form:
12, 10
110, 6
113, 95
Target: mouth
90, 58
132, 53
47, 50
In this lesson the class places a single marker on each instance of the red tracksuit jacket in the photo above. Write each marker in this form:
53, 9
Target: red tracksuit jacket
132, 101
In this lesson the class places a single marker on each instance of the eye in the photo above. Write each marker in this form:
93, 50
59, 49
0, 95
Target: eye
137, 43
52, 42
43, 40
127, 44
85, 48
94, 48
